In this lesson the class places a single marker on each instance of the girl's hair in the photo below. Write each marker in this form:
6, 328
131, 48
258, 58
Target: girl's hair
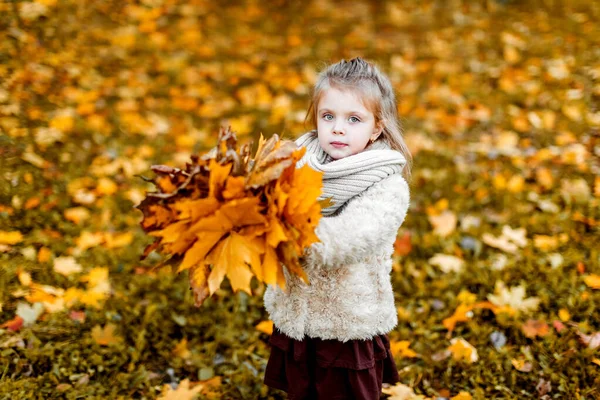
375, 91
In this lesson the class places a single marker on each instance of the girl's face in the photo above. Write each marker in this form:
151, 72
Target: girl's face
344, 125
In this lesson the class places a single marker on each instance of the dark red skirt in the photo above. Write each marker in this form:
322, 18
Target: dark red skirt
316, 368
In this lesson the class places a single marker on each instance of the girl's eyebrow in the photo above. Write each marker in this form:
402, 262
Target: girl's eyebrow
350, 112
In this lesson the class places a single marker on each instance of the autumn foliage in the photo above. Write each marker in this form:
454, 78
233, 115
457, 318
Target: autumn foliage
230, 214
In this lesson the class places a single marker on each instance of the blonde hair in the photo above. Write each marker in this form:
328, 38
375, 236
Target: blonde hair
375, 91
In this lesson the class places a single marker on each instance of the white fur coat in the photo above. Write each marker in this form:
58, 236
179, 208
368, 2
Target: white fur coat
350, 296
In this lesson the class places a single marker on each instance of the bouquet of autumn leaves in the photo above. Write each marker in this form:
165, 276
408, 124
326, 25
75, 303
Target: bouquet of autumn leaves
230, 214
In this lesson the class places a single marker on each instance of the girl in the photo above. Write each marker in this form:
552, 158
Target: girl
330, 337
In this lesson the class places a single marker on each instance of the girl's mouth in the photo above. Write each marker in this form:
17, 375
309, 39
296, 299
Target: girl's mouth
338, 145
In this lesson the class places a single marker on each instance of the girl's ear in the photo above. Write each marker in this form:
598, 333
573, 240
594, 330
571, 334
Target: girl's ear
378, 129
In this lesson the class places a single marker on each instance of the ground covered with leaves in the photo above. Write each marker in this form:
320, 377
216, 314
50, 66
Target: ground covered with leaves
496, 270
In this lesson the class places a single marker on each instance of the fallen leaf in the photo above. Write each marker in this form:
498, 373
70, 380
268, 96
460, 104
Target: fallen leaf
78, 316
183, 391
521, 364
181, 349
533, 328
265, 327
447, 263
592, 341
514, 298
400, 392
401, 348
403, 244
462, 350
14, 324
105, 336
443, 224
66, 266
592, 281
462, 396
10, 237
29, 313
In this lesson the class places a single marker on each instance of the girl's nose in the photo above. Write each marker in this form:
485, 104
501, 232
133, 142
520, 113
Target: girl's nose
338, 128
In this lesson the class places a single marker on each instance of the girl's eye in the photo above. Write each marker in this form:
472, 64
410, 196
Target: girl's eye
355, 119
326, 117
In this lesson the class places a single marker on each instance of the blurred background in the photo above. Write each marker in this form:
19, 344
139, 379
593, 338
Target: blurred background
496, 269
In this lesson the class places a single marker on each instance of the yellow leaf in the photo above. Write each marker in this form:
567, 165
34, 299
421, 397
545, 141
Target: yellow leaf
265, 327
10, 237
230, 258
89, 239
77, 214
462, 396
105, 336
106, 186
198, 278
196, 254
592, 281
521, 364
44, 255
92, 298
276, 233
183, 391
196, 209
466, 297
116, 240
273, 272
181, 350
460, 315
96, 277
462, 350
564, 314
218, 175
511, 54
24, 278
401, 348
234, 187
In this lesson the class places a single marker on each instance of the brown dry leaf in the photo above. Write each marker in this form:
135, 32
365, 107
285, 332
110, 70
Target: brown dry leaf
105, 336
533, 328
403, 244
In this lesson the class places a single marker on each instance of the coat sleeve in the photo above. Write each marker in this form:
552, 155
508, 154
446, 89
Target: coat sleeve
367, 225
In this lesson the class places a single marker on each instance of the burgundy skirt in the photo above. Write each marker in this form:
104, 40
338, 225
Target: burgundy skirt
315, 368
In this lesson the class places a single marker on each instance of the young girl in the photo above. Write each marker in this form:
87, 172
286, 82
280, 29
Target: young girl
330, 337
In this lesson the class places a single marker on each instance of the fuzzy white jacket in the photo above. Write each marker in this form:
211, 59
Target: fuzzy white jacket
350, 296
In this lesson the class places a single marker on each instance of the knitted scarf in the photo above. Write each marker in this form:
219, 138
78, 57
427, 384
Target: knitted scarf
349, 176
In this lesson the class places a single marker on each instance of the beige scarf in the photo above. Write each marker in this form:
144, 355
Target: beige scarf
349, 176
